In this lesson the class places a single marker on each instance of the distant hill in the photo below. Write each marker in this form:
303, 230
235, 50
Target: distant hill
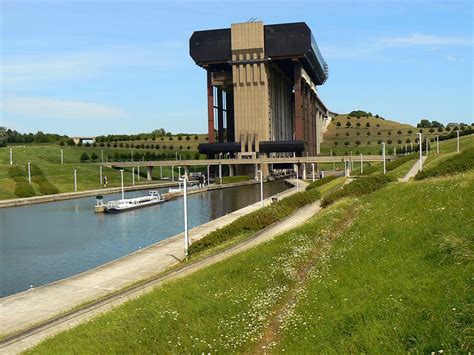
363, 134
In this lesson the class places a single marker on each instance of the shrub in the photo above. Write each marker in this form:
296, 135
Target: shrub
457, 164
378, 125
358, 133
359, 187
24, 189
368, 133
389, 141
357, 142
399, 132
410, 131
196, 137
320, 182
347, 134
348, 124
358, 124
94, 156
336, 143
367, 124
256, 221
346, 143
188, 137
338, 124
84, 157
71, 142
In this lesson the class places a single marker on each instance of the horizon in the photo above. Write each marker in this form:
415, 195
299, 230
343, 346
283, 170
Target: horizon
129, 71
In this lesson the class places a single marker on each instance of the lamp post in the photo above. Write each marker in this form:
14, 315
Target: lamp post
100, 173
133, 176
297, 177
361, 164
172, 173
11, 156
260, 175
185, 207
312, 170
220, 173
457, 150
121, 178
383, 158
102, 155
437, 144
208, 176
179, 172
75, 180
62, 156
421, 150
29, 172
426, 146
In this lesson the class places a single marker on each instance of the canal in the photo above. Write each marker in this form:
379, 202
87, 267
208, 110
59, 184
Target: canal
47, 242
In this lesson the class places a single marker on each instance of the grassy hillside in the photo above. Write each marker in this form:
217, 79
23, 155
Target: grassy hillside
48, 158
387, 272
341, 138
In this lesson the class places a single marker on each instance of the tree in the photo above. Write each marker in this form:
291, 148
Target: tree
440, 129
196, 137
71, 142
368, 133
188, 147
357, 142
94, 156
378, 125
84, 157
348, 124
389, 141
358, 124
410, 131
367, 124
338, 124
346, 143
188, 137
425, 124
180, 137
347, 134
62, 144
3, 137
399, 132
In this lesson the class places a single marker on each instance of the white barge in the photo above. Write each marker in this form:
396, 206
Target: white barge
116, 206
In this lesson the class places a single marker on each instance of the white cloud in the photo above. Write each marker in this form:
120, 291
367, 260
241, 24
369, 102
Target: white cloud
418, 39
58, 109
454, 59
43, 68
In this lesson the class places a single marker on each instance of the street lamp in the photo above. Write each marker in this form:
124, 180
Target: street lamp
185, 207
421, 150
361, 164
383, 158
457, 140
121, 178
260, 174
312, 170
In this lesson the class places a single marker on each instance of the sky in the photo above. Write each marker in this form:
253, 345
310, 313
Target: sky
92, 67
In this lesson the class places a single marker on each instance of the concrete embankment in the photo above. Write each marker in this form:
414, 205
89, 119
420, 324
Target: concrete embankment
37, 305
72, 195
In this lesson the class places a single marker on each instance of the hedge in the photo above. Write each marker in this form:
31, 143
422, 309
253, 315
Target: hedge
359, 187
458, 163
257, 220
23, 188
45, 186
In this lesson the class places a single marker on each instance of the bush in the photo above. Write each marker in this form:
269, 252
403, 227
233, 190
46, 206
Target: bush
359, 187
367, 124
338, 124
457, 164
256, 221
84, 157
320, 182
348, 124
71, 142
24, 189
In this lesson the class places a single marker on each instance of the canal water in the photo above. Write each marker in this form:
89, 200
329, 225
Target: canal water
47, 242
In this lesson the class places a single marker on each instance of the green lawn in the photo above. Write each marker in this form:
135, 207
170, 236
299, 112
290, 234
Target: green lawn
389, 272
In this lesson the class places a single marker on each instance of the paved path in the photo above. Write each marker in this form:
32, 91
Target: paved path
414, 170
37, 305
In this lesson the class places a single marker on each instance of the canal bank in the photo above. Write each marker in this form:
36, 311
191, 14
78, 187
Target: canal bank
108, 191
40, 304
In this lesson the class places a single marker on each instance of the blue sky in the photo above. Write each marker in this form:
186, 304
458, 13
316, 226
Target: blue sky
98, 67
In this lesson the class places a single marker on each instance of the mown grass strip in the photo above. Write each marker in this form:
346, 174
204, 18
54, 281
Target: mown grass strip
359, 187
321, 182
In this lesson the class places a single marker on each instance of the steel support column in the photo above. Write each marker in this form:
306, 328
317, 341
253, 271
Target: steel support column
210, 108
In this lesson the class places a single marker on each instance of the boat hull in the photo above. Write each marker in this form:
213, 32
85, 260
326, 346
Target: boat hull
113, 210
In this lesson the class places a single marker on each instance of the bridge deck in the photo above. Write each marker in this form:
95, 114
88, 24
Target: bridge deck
291, 160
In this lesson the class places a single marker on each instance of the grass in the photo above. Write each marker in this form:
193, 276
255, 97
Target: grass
368, 286
60, 177
336, 136
455, 164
